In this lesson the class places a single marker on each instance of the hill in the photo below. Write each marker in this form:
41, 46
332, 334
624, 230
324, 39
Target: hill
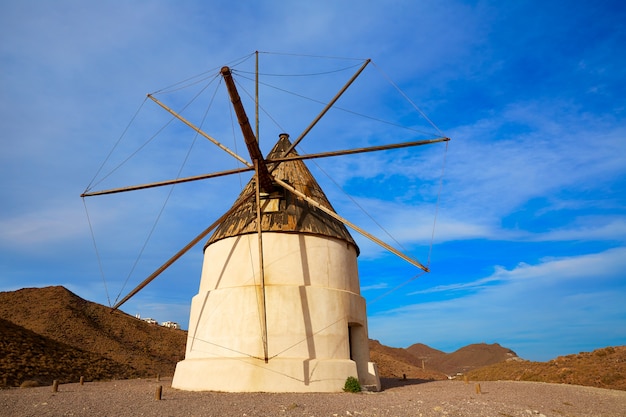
423, 352
61, 316
602, 368
28, 356
470, 357
398, 363
423, 362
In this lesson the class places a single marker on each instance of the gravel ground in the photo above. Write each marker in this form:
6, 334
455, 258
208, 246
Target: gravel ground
399, 398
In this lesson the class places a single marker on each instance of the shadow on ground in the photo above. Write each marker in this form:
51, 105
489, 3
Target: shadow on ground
386, 383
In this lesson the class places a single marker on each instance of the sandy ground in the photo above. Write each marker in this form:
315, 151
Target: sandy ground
399, 398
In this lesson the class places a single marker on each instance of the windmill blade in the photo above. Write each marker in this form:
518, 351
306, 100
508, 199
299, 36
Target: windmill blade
259, 229
181, 252
352, 225
358, 150
199, 131
168, 182
263, 175
327, 107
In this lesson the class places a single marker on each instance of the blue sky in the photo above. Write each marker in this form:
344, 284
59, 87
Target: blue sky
529, 248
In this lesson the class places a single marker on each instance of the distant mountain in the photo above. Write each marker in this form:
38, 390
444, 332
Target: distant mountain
424, 352
429, 363
399, 363
470, 357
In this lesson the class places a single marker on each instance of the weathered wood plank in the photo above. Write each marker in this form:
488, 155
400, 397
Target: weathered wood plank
291, 214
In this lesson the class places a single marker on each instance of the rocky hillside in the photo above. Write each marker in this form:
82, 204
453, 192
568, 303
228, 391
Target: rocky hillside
399, 363
28, 356
602, 368
423, 352
422, 362
470, 357
89, 330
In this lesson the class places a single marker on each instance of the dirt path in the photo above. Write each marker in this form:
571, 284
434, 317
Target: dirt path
441, 398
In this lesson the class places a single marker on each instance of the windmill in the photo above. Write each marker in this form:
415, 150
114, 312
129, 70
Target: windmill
278, 307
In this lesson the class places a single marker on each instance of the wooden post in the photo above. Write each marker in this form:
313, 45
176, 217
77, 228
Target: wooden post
82, 380
158, 377
55, 385
466, 379
159, 391
478, 389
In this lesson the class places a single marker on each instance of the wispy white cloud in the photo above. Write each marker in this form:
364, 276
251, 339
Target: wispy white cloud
378, 286
488, 177
552, 301
52, 225
548, 152
588, 229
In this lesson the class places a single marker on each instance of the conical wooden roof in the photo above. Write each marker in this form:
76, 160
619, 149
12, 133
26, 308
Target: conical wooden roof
282, 211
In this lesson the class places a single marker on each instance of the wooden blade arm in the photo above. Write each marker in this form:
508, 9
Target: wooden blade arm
352, 226
168, 182
200, 132
259, 229
282, 159
358, 150
265, 179
328, 106
181, 252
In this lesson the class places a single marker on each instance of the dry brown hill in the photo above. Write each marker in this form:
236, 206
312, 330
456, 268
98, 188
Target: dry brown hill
399, 363
64, 317
424, 352
422, 361
28, 356
602, 368
470, 357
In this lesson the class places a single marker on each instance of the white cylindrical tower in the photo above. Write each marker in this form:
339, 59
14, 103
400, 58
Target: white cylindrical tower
301, 325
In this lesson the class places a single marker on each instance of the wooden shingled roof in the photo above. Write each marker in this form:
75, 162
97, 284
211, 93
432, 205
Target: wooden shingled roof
281, 210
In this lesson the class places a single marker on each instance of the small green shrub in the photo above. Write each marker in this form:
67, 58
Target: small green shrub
352, 385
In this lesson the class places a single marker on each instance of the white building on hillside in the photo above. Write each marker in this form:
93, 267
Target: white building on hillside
170, 324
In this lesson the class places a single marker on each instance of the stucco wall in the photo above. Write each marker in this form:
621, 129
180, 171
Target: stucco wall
311, 299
